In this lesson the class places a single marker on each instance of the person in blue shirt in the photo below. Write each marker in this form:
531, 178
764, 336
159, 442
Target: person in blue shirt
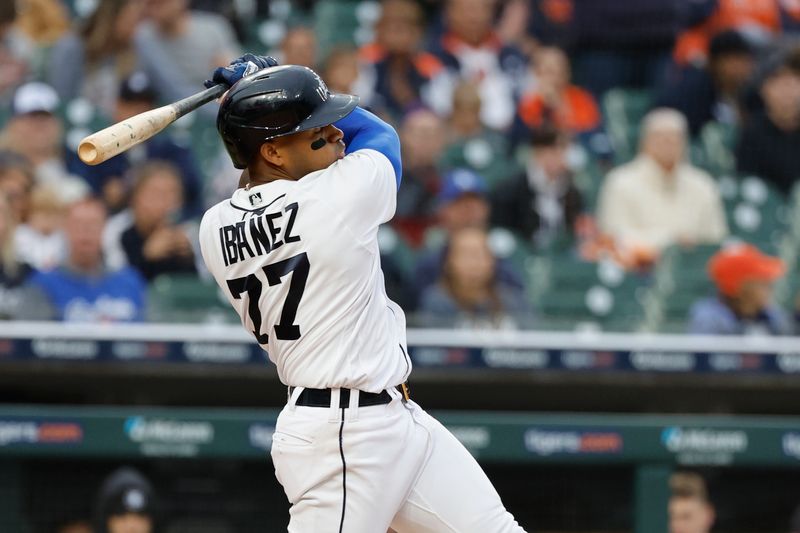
463, 203
82, 290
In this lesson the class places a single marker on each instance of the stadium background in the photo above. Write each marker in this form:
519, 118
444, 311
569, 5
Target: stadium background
579, 411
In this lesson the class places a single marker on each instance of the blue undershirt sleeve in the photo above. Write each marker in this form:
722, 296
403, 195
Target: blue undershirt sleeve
363, 130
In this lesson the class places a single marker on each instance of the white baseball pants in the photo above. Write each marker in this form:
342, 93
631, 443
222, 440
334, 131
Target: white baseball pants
364, 469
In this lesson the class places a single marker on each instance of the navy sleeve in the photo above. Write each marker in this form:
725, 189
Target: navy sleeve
363, 130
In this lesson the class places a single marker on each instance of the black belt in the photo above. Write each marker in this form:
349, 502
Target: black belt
322, 397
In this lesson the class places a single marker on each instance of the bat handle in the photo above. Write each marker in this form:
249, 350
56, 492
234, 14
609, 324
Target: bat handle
190, 103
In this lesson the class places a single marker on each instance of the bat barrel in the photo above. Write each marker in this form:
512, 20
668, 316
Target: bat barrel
117, 138
88, 152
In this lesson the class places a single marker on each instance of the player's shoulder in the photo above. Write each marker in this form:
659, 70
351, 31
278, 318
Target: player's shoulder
367, 155
216, 216
364, 161
212, 213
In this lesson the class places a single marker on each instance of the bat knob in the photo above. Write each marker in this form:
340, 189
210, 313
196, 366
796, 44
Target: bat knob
87, 151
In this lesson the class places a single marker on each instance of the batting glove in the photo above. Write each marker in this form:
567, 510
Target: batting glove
239, 68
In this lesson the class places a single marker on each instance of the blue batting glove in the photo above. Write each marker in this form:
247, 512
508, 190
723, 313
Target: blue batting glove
239, 68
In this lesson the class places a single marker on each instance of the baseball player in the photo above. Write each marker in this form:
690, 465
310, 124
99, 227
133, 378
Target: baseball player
296, 253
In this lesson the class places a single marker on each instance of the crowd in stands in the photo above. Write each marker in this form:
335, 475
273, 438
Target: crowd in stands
534, 132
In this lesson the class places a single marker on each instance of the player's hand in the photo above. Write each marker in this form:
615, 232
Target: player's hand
239, 68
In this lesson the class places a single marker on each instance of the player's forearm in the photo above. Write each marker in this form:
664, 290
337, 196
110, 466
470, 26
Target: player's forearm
363, 130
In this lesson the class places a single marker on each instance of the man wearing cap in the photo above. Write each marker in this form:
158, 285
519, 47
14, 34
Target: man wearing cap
35, 132
108, 179
744, 279
125, 504
462, 203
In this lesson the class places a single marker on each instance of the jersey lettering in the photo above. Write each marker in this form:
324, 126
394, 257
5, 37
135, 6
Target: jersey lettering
258, 235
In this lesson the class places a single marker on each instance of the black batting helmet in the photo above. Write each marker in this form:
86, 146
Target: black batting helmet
273, 102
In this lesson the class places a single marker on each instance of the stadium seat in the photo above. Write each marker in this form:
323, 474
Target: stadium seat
186, 298
487, 155
758, 212
509, 246
623, 110
718, 142
344, 22
577, 293
391, 244
681, 279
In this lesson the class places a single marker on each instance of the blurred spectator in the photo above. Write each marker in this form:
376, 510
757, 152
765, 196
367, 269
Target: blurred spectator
462, 203
422, 134
16, 183
770, 139
690, 510
341, 70
555, 102
542, 204
155, 244
759, 19
712, 92
92, 61
39, 24
469, 293
744, 277
13, 64
178, 47
619, 44
659, 198
82, 290
39, 242
299, 47
111, 179
472, 144
472, 49
397, 73
35, 132
17, 301
126, 504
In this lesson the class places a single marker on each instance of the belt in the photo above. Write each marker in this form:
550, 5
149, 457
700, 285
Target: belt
322, 397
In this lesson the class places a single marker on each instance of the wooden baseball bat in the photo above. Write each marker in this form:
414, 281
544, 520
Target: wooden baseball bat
117, 138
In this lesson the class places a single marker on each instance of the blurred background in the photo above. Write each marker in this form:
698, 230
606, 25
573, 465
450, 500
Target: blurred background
596, 244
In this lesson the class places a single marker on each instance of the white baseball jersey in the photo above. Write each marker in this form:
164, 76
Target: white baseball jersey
299, 262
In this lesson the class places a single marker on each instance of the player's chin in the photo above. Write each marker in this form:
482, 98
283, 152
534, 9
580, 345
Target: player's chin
338, 151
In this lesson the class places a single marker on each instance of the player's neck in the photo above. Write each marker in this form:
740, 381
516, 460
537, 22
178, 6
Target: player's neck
262, 173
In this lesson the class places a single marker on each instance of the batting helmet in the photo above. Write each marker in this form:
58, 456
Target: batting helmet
273, 102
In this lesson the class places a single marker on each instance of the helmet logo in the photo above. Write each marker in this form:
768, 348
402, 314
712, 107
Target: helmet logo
322, 89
